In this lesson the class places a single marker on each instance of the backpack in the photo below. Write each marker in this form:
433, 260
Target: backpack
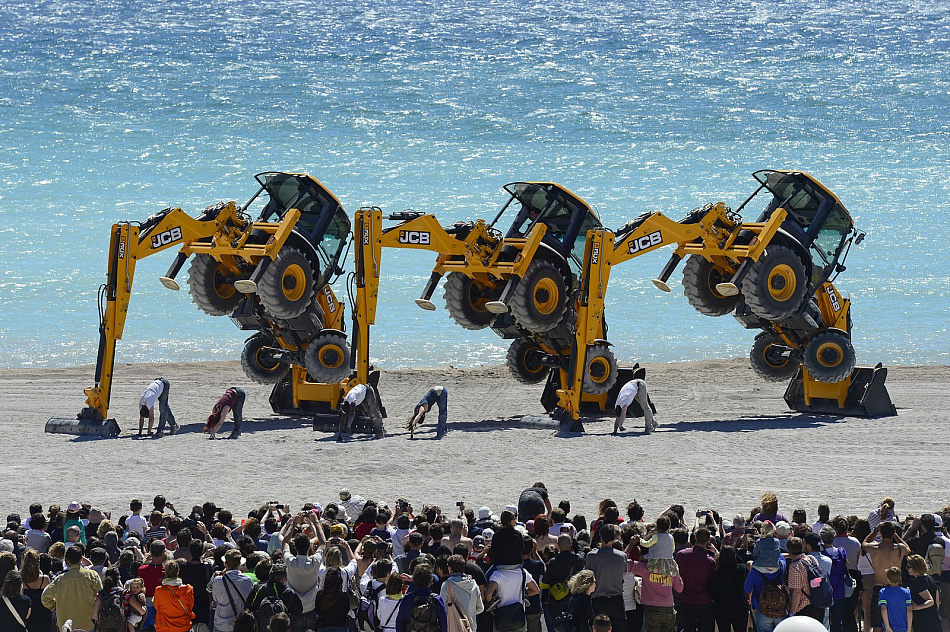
111, 613
935, 555
773, 599
820, 593
269, 606
367, 616
422, 617
839, 567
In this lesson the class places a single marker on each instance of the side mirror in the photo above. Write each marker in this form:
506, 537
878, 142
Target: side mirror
859, 239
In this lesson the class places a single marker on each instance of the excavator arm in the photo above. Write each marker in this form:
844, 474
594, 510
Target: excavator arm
129, 243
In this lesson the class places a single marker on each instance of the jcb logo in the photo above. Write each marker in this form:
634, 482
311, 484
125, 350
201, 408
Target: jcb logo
170, 236
645, 242
329, 296
414, 237
595, 255
834, 298
365, 236
122, 249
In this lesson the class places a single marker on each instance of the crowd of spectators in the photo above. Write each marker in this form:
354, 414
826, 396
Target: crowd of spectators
362, 565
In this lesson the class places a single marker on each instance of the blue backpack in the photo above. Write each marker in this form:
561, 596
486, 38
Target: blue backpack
820, 593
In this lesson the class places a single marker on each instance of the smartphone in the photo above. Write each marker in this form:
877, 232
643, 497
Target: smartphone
565, 529
278, 506
751, 530
459, 503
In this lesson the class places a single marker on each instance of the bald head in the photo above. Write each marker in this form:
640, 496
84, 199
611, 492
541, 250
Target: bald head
564, 542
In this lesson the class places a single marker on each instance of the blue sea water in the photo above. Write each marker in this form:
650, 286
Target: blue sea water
112, 110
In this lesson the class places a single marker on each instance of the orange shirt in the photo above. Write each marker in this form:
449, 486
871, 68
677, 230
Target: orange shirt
173, 608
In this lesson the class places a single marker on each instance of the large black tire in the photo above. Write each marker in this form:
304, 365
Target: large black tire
465, 301
286, 287
328, 358
776, 284
257, 364
700, 277
766, 362
539, 302
829, 357
523, 363
600, 370
211, 286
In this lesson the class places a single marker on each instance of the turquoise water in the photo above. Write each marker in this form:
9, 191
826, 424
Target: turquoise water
113, 110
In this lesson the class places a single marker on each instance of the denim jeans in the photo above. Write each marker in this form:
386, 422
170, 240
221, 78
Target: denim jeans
165, 414
766, 624
238, 410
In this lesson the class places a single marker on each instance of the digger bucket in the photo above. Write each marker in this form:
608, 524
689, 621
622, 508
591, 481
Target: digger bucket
866, 395
83, 426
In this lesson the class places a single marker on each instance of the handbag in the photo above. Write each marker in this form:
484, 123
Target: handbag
849, 585
457, 620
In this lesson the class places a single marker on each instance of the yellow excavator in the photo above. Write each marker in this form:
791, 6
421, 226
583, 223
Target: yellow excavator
542, 284
271, 276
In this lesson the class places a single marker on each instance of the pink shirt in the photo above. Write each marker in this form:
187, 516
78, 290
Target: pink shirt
657, 589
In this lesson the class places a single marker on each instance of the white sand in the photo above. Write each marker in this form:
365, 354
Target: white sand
725, 437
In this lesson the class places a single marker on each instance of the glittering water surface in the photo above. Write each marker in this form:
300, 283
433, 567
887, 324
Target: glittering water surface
113, 110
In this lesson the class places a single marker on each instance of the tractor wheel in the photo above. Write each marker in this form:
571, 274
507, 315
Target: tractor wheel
286, 287
600, 370
539, 302
523, 362
776, 284
257, 362
465, 301
829, 357
211, 286
328, 358
700, 278
766, 361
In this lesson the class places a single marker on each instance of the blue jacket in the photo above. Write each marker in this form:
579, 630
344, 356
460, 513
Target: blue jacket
756, 581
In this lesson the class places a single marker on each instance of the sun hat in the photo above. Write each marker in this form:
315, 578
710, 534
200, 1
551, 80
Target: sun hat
484, 513
73, 507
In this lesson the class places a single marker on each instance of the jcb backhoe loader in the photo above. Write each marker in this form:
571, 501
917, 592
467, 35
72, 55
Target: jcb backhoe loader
271, 276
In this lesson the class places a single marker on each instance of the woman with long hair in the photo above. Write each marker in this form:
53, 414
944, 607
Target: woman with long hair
333, 603
726, 587
542, 532
862, 529
34, 581
924, 593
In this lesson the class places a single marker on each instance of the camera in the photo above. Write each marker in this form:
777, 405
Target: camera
459, 503
278, 506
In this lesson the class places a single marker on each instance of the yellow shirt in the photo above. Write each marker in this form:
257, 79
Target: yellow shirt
73, 595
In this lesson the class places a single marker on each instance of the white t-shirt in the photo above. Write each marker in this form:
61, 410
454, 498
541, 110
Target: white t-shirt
509, 584
151, 394
628, 393
399, 535
137, 523
356, 395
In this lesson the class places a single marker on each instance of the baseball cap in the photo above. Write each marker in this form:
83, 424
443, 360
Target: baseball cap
73, 507
345, 494
782, 529
489, 534
337, 530
478, 540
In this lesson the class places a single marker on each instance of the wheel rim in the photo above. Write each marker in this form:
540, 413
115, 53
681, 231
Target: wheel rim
531, 367
221, 282
294, 282
599, 370
546, 296
330, 356
768, 361
476, 299
715, 278
261, 356
782, 282
829, 354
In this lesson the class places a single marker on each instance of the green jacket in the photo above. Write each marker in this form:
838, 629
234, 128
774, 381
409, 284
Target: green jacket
73, 595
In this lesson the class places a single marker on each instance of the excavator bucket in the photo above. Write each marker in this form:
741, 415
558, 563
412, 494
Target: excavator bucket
865, 395
90, 425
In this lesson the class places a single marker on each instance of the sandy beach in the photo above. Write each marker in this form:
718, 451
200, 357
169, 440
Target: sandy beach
725, 436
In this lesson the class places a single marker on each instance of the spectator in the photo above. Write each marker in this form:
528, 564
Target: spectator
419, 593
696, 566
727, 589
581, 586
16, 607
198, 574
174, 602
765, 618
389, 604
351, 505
890, 551
770, 510
332, 602
36, 536
839, 577
136, 523
798, 586
460, 589
925, 594
894, 602
507, 544
230, 591
657, 596
884, 513
34, 581
303, 569
73, 594
824, 518
609, 566
559, 570
74, 520
455, 535
534, 501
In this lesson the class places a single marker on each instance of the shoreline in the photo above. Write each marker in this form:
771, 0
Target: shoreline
723, 440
